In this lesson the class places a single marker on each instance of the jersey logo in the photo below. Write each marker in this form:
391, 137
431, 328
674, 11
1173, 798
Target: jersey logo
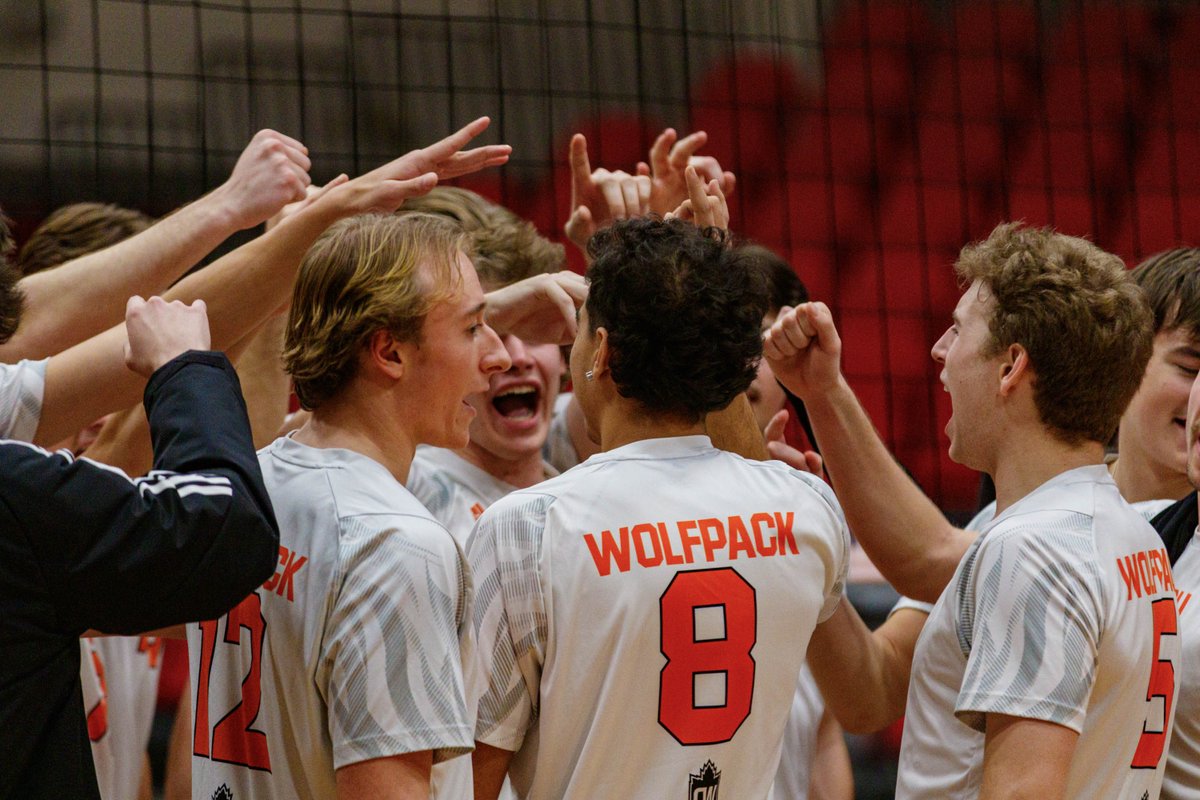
706, 784
477, 511
222, 793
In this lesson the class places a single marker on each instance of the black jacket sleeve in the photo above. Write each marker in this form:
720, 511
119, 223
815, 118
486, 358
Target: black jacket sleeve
1176, 524
185, 543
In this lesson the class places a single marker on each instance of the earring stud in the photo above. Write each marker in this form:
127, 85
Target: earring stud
588, 375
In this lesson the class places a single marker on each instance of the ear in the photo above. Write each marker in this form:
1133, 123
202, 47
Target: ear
600, 354
1015, 367
386, 355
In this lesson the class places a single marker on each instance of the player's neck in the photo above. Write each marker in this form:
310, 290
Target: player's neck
363, 428
624, 422
521, 472
1140, 477
1025, 462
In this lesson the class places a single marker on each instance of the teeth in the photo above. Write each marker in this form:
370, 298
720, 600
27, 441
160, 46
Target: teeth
517, 390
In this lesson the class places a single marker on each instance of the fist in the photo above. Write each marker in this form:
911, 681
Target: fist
159, 331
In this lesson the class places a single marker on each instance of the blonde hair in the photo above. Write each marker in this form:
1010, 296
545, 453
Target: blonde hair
367, 273
504, 248
1078, 313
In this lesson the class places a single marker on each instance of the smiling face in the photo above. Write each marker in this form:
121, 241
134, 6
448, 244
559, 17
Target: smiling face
971, 378
1153, 426
513, 416
453, 359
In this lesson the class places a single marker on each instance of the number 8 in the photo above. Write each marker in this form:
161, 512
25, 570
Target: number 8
688, 657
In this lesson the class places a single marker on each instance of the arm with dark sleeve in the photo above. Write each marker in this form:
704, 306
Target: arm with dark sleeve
186, 543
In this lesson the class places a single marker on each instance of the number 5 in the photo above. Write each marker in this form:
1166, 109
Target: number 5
1162, 684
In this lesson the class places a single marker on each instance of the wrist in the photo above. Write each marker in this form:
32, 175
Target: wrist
220, 211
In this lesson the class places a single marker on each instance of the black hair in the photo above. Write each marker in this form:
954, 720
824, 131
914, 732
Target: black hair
784, 287
683, 311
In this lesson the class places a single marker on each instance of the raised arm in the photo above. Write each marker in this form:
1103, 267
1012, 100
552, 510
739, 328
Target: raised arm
81, 298
186, 543
245, 286
904, 533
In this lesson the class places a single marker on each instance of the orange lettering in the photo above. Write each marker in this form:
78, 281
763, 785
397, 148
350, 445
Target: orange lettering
712, 543
1129, 574
739, 539
609, 553
689, 540
783, 532
756, 522
668, 554
647, 530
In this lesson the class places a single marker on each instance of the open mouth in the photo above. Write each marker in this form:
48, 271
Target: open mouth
517, 403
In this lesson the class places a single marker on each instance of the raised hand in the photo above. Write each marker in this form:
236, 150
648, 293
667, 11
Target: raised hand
415, 173
705, 205
158, 331
311, 195
601, 196
538, 309
804, 350
271, 172
669, 158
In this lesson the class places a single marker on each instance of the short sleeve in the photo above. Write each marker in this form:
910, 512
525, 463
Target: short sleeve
1029, 621
509, 617
393, 679
907, 603
835, 585
22, 386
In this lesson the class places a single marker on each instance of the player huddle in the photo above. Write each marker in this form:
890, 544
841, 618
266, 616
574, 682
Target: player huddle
452, 578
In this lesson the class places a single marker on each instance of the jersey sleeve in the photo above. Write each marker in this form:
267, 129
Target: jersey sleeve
1030, 617
510, 617
187, 542
391, 671
22, 386
835, 585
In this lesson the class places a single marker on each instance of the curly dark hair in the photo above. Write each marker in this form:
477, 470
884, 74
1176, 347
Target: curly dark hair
683, 312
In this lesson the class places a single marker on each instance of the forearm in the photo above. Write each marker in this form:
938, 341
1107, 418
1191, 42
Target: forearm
489, 766
880, 663
264, 383
83, 297
907, 537
240, 290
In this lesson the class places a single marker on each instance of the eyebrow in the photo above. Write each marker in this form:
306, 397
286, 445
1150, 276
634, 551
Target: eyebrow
476, 311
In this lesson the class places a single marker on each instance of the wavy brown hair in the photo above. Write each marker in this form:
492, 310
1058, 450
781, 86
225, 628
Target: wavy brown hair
1078, 313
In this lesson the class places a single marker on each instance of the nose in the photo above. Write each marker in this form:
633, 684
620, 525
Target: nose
941, 346
518, 353
495, 356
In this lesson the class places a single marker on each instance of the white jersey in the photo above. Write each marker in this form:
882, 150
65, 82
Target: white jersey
1062, 610
643, 618
454, 490
350, 651
21, 388
1149, 509
1182, 780
119, 676
794, 775
559, 450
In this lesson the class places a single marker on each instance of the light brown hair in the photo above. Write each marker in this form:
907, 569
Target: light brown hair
76, 230
1078, 313
504, 247
366, 273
